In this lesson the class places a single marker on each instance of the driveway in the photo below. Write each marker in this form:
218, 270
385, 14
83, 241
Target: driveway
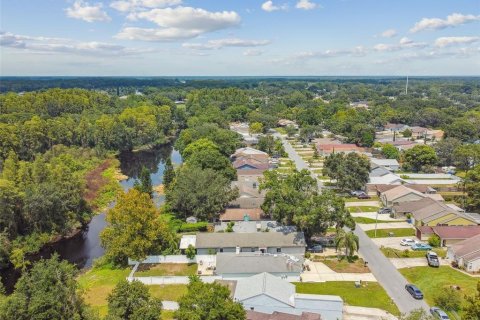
388, 225
392, 242
363, 313
400, 263
370, 203
387, 275
373, 215
319, 272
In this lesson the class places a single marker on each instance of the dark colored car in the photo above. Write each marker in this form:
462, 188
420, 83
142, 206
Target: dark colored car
385, 211
363, 195
315, 249
414, 291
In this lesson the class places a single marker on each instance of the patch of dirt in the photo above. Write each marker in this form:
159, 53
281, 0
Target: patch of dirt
95, 181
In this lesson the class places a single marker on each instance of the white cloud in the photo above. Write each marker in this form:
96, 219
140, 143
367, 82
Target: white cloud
221, 43
453, 20
86, 12
450, 41
269, 6
131, 5
390, 33
253, 52
404, 43
179, 23
306, 5
61, 45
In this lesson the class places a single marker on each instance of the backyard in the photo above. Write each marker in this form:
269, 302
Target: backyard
394, 232
434, 280
371, 294
166, 269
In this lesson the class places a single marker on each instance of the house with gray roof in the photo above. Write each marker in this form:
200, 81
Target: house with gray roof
268, 294
466, 254
292, 243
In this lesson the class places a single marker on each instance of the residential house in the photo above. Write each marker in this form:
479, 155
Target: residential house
378, 171
250, 163
250, 195
268, 294
419, 132
255, 315
327, 149
248, 226
403, 144
429, 212
231, 265
248, 152
402, 193
241, 214
264, 242
448, 235
466, 254
395, 127
389, 164
380, 188
389, 178
286, 122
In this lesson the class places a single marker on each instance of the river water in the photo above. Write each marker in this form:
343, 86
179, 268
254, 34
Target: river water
85, 247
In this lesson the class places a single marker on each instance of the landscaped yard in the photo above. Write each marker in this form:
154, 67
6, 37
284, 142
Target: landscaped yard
366, 220
434, 280
354, 199
166, 269
97, 283
372, 295
409, 253
343, 266
396, 232
363, 209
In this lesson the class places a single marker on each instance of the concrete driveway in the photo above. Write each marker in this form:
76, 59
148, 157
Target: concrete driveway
319, 272
363, 313
393, 242
388, 225
373, 215
400, 263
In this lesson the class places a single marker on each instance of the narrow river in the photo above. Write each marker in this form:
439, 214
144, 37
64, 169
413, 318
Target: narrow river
84, 248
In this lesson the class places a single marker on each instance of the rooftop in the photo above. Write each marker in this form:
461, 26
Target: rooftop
256, 240
238, 214
255, 315
469, 247
253, 263
265, 283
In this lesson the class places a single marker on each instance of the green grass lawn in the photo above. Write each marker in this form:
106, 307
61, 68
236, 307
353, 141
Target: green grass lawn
365, 220
281, 130
384, 233
166, 269
363, 209
97, 283
167, 314
395, 253
433, 280
372, 295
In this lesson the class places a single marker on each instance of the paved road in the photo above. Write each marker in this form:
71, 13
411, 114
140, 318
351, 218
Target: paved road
300, 164
392, 281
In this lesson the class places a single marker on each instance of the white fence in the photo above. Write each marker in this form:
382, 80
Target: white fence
176, 259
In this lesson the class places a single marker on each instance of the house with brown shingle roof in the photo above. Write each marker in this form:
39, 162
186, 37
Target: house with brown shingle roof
449, 235
466, 254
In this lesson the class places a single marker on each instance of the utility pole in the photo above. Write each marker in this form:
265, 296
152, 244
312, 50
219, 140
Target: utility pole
406, 87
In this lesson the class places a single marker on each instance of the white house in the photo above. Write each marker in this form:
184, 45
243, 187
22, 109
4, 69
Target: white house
389, 164
466, 254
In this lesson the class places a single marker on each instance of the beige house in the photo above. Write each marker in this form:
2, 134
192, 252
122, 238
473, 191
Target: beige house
400, 194
466, 254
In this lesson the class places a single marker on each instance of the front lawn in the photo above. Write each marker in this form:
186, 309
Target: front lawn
166, 269
363, 209
372, 295
343, 266
397, 232
365, 220
409, 253
354, 199
433, 280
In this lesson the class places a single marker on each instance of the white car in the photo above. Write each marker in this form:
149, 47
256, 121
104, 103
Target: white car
408, 242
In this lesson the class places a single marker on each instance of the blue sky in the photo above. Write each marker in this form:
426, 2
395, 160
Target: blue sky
240, 37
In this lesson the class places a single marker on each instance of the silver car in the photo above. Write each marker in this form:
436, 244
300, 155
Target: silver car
439, 313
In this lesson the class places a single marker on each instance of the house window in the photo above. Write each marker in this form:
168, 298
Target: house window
279, 250
220, 250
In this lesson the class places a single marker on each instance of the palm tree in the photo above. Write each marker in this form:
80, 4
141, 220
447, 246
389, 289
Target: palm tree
347, 240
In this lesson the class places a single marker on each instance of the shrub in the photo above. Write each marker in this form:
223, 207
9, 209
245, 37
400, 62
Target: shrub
190, 252
434, 241
448, 299
193, 227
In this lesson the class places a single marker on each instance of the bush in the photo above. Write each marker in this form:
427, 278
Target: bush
434, 241
448, 299
193, 227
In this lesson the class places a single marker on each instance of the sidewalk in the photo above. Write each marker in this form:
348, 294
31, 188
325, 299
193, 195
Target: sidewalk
363, 313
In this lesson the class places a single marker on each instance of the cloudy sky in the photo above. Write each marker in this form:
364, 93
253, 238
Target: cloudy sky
240, 37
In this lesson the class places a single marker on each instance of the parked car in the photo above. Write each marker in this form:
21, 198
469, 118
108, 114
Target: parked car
432, 259
439, 313
408, 242
421, 247
363, 195
356, 192
315, 249
385, 211
414, 291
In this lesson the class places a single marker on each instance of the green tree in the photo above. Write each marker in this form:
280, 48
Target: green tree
132, 301
134, 229
472, 188
205, 154
448, 299
255, 127
363, 135
144, 182
407, 133
445, 150
351, 171
208, 301
417, 314
348, 241
419, 157
467, 156
47, 291
190, 252
11, 202
200, 193
389, 151
471, 310
169, 173
434, 241
290, 130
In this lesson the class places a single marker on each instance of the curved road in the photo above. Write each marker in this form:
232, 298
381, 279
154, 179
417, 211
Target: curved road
384, 271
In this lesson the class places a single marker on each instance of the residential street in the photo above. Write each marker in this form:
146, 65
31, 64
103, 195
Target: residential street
383, 270
387, 275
